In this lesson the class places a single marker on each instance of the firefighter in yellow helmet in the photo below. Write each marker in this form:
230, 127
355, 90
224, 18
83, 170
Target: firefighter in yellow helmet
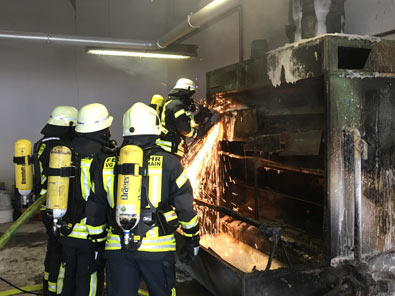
142, 196
59, 130
84, 271
177, 119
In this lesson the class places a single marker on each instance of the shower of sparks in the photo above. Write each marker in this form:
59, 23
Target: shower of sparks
202, 166
201, 157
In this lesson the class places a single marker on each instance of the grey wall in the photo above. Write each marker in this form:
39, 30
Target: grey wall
34, 78
370, 17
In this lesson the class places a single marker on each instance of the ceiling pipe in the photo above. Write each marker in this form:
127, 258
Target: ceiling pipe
80, 40
197, 19
193, 21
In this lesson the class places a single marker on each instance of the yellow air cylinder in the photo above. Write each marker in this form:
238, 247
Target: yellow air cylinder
157, 103
58, 187
23, 167
129, 190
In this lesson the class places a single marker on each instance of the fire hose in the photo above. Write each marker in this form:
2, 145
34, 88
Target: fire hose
21, 220
272, 231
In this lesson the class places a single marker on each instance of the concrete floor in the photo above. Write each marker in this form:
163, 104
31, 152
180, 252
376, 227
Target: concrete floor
21, 261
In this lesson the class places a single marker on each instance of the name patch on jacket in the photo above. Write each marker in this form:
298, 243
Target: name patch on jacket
155, 161
109, 163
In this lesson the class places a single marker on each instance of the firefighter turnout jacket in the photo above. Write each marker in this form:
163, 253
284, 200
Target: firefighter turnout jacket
84, 274
167, 187
84, 151
177, 124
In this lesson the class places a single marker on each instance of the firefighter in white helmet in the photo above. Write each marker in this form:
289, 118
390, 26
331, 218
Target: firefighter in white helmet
84, 269
141, 213
177, 118
59, 130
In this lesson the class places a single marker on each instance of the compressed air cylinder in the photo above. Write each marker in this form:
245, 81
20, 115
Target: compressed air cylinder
129, 190
157, 103
23, 167
58, 187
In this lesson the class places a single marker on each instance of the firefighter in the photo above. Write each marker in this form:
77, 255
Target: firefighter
58, 130
84, 273
177, 118
141, 197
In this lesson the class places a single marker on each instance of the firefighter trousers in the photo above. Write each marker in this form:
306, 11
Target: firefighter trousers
53, 268
125, 271
83, 275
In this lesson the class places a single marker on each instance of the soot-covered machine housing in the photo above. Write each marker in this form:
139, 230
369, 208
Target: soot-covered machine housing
288, 168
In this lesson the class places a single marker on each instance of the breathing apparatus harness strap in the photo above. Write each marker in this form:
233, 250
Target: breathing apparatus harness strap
63, 172
22, 160
130, 169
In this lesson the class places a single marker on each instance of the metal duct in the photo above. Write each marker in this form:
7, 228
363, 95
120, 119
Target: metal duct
194, 20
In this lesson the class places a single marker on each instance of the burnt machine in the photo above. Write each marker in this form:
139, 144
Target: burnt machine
306, 162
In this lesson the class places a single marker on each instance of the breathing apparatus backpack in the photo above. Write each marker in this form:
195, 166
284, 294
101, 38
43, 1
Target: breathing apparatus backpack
134, 212
59, 173
23, 168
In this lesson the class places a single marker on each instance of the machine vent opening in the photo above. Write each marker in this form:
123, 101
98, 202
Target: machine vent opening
351, 57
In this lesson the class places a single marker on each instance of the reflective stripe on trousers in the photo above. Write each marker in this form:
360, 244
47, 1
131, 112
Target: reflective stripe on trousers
93, 284
60, 279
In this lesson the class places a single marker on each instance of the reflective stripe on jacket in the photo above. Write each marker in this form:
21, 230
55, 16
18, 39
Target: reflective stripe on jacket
177, 123
80, 229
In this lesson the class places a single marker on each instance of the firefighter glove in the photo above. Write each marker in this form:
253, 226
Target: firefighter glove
190, 250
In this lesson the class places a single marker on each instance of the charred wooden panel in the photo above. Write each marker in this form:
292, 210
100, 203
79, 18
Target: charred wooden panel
239, 125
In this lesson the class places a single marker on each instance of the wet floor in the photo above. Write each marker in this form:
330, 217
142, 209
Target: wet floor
21, 261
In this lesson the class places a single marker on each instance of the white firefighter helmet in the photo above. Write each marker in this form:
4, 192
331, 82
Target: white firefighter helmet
141, 119
63, 116
186, 84
92, 118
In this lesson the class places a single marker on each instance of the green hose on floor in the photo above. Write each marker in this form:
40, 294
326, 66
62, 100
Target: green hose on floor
21, 220
39, 288
33, 288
